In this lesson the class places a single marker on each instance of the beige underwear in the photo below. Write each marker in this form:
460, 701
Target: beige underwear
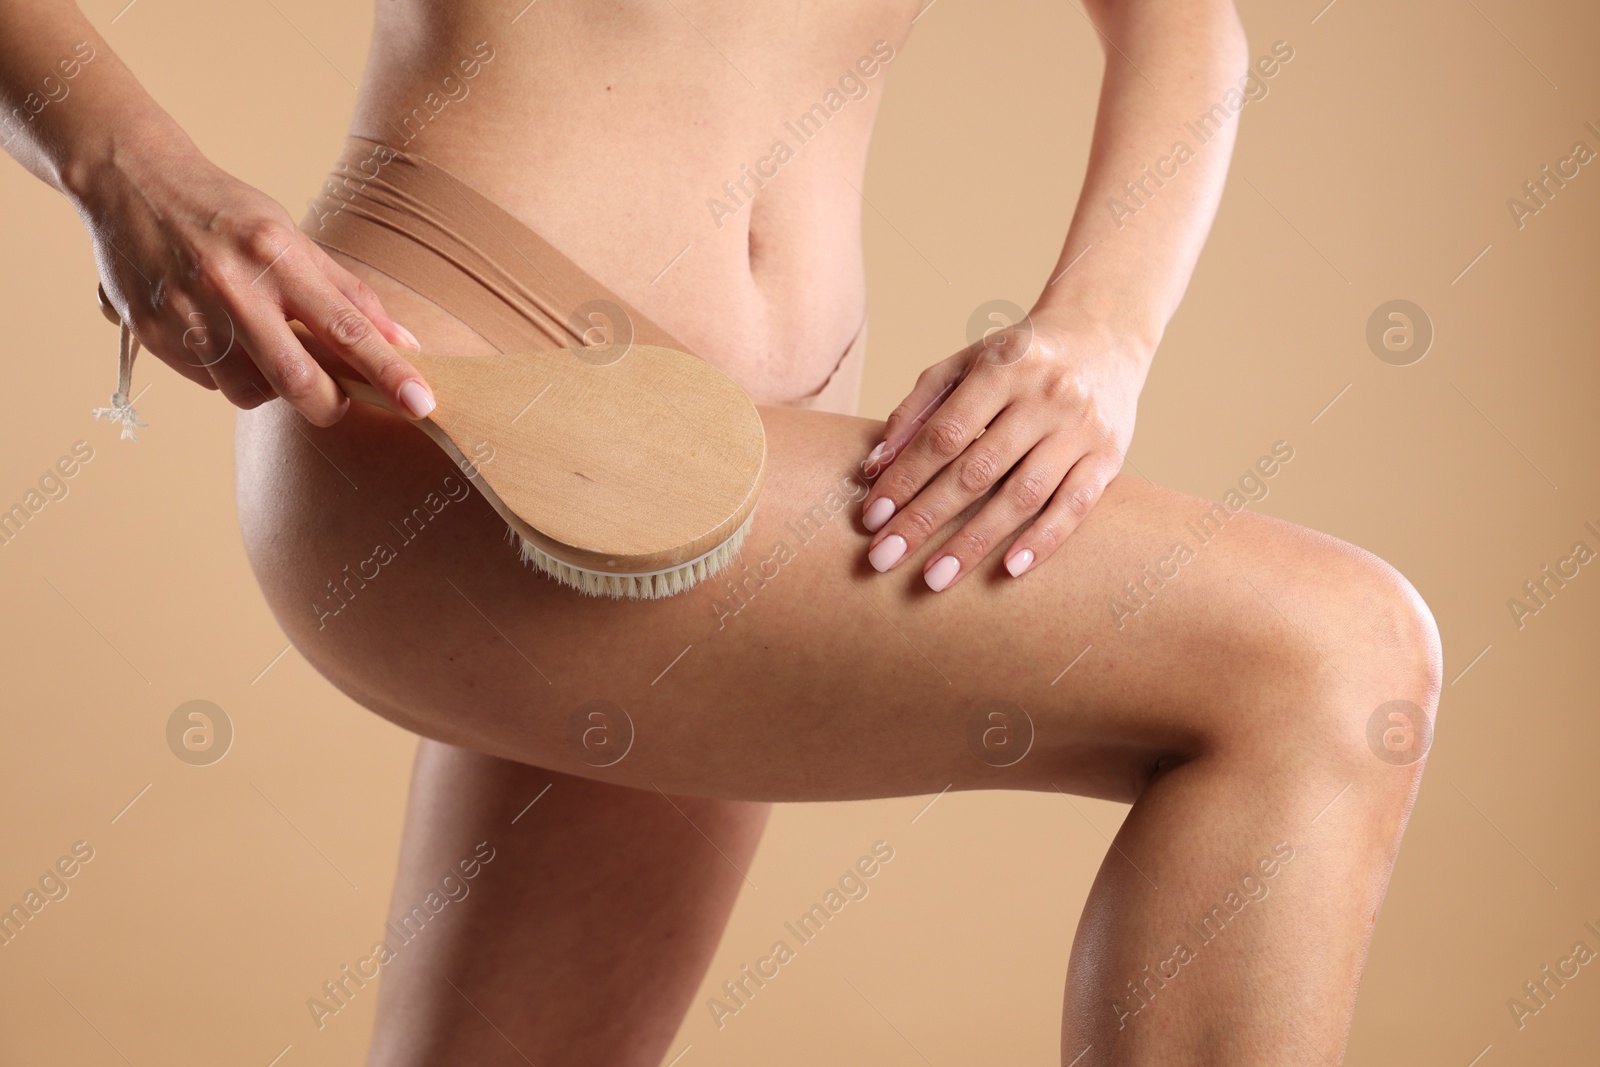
416, 222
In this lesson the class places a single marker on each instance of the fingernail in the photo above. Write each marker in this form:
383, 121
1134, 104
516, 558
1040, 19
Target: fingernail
409, 338
887, 552
878, 513
416, 399
942, 573
1020, 562
872, 457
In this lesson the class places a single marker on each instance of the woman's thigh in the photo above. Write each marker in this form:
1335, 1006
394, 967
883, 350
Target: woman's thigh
1162, 628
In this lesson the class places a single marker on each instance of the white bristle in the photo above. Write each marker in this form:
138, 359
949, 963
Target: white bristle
636, 586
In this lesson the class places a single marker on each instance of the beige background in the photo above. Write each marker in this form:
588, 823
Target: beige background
1378, 168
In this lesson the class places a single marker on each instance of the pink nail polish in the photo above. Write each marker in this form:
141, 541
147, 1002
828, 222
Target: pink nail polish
878, 513
408, 337
942, 573
887, 552
1020, 562
416, 399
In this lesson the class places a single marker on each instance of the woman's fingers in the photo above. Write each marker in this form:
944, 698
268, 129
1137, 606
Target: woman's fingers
1055, 484
342, 327
933, 386
1018, 499
183, 362
983, 463
216, 359
366, 301
971, 404
153, 332
288, 370
1071, 503
239, 379
302, 282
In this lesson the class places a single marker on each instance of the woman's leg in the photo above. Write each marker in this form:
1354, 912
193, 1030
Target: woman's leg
670, 863
1220, 671
583, 937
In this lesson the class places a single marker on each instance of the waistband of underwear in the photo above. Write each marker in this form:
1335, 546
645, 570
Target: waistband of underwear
404, 215
416, 222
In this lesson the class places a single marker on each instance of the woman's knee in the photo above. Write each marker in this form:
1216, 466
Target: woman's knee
1343, 658
1398, 664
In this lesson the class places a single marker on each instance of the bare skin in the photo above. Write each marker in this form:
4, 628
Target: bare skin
1231, 710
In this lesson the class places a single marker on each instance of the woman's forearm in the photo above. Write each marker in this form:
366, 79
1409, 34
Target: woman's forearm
70, 106
1147, 203
1062, 419
180, 242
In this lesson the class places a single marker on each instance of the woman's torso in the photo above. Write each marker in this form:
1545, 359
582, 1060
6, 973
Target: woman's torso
701, 159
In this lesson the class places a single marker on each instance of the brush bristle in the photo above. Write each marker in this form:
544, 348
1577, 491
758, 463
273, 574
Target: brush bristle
635, 586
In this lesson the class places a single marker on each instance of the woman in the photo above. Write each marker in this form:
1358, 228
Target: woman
957, 611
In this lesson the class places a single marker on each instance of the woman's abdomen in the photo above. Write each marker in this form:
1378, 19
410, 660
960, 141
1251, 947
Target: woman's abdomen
724, 209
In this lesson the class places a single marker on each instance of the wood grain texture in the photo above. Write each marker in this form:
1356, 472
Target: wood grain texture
639, 464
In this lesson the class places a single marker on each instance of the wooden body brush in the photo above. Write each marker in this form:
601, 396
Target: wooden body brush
638, 478
632, 478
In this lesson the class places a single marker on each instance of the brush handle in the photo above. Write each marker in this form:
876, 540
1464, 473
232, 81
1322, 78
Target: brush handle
362, 390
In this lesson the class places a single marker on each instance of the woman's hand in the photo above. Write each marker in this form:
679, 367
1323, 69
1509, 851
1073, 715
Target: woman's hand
208, 272
1044, 411
1055, 404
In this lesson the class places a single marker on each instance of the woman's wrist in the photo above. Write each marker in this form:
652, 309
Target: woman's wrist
114, 150
1125, 338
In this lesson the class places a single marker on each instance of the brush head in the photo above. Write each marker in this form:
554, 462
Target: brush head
624, 475
654, 586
